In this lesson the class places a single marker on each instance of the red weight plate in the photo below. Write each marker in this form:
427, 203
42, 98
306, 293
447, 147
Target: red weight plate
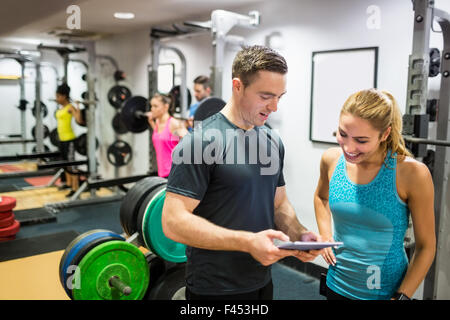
4, 239
11, 230
6, 222
7, 203
4, 215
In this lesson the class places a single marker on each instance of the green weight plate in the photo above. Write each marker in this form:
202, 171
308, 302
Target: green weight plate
143, 210
77, 249
70, 246
112, 259
94, 240
154, 237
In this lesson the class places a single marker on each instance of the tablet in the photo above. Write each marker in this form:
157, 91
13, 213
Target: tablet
307, 245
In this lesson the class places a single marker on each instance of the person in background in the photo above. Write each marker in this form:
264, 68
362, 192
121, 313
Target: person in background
167, 131
66, 111
202, 90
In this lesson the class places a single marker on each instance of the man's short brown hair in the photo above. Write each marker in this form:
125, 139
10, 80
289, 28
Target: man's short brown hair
252, 59
203, 80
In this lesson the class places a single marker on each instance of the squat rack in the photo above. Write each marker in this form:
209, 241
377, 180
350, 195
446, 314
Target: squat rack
415, 121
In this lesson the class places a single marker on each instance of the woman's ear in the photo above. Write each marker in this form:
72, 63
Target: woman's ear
386, 134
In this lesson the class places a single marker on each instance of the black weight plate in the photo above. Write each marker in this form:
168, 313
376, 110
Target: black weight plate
143, 207
46, 132
175, 94
435, 62
118, 125
81, 144
46, 149
117, 95
429, 160
83, 117
169, 283
54, 137
157, 268
44, 110
132, 201
119, 153
128, 114
208, 107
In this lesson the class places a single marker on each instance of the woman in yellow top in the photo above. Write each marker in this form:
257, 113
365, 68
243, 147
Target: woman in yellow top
66, 135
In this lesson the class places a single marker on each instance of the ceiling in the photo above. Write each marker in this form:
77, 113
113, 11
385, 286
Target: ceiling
31, 19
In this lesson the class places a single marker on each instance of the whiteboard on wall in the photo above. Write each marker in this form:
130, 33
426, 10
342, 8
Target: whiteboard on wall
336, 74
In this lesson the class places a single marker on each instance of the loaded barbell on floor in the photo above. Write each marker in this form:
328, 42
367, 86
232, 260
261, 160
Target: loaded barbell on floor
101, 264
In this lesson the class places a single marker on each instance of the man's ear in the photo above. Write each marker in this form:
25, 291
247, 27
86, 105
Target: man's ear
237, 85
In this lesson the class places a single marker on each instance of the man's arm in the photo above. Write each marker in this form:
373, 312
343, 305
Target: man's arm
181, 225
286, 221
285, 217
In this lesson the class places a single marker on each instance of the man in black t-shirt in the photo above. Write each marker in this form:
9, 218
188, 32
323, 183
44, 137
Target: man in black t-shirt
226, 197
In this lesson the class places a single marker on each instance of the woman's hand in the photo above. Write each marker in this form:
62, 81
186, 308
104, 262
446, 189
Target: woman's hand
328, 254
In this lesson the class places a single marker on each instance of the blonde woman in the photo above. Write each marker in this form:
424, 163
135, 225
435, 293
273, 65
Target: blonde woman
369, 186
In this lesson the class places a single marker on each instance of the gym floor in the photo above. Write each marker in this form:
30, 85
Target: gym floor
18, 271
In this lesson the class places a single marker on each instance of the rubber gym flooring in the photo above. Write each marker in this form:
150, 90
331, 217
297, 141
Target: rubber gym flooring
29, 264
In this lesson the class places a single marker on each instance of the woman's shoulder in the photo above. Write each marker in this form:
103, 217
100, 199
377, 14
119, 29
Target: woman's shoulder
176, 123
412, 170
331, 155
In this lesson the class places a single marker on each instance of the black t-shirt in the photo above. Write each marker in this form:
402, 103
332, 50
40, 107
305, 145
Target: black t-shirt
234, 173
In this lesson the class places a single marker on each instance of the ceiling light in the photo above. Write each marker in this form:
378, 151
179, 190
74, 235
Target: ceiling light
124, 15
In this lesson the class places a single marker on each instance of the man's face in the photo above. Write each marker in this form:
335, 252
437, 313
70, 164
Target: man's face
200, 92
260, 98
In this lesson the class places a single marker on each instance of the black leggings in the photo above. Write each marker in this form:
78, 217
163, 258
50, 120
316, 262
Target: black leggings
265, 293
331, 295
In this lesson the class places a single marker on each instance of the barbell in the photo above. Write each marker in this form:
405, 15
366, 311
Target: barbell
101, 264
133, 114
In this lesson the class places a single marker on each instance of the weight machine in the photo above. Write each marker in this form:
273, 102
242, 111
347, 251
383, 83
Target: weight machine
415, 123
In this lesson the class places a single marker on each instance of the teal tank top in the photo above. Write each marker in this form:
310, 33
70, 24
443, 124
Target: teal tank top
371, 220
